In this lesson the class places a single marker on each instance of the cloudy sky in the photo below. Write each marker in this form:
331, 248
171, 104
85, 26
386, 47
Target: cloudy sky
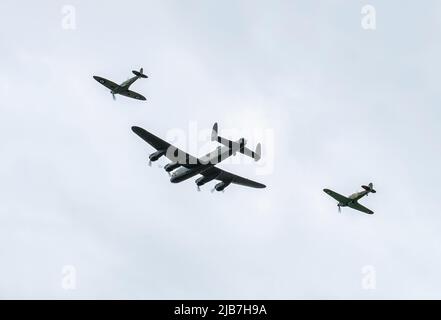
82, 215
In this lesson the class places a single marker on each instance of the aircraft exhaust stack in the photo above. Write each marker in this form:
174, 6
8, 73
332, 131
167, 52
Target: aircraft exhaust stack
139, 73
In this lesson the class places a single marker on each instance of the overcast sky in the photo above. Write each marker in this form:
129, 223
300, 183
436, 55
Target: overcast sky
334, 105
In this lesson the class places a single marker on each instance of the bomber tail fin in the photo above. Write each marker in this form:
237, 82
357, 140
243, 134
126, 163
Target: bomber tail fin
258, 152
214, 133
256, 155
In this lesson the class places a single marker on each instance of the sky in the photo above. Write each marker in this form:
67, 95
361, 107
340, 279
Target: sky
335, 105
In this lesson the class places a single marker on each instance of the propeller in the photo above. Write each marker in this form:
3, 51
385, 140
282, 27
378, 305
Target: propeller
150, 163
198, 188
113, 96
339, 208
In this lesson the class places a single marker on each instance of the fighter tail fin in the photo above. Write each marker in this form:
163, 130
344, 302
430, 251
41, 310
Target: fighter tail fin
369, 188
139, 73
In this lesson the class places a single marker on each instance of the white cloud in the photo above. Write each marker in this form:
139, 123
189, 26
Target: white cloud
346, 107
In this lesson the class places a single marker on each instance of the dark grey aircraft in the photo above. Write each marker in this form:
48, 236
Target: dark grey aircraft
352, 200
123, 88
186, 166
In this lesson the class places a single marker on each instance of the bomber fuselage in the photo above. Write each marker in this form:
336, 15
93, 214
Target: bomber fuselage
219, 154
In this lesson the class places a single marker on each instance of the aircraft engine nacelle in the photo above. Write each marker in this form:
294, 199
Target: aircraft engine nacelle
171, 166
156, 155
203, 180
221, 186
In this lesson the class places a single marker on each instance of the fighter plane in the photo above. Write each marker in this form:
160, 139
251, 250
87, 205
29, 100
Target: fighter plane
184, 166
123, 88
352, 200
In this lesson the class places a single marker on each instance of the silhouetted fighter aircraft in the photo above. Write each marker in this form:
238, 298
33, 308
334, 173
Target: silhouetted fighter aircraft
352, 200
185, 166
123, 88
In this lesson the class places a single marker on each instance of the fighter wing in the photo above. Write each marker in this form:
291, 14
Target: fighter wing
132, 94
228, 177
337, 196
359, 207
171, 152
107, 83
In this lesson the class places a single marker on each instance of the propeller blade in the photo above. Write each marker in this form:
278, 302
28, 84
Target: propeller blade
339, 208
113, 96
150, 163
199, 189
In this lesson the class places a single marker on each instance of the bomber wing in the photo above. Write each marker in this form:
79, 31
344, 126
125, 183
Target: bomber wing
228, 178
171, 152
